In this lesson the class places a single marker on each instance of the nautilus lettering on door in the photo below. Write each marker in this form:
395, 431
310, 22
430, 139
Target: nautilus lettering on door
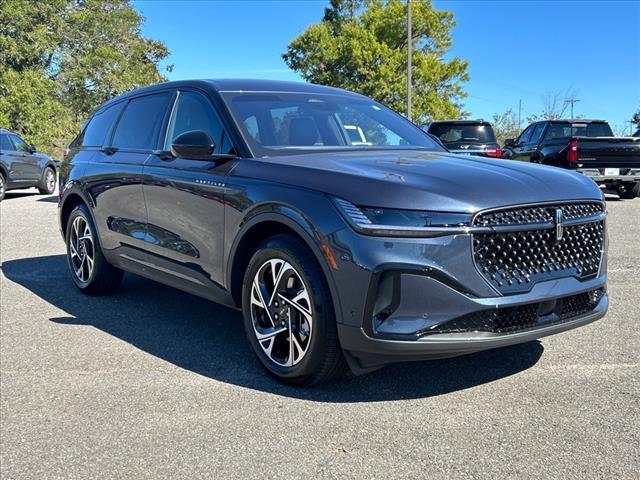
209, 182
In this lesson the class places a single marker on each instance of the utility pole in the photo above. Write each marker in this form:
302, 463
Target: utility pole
571, 101
519, 112
409, 46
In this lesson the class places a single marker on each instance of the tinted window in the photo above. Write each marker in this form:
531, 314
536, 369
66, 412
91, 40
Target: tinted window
526, 135
95, 134
141, 121
194, 112
292, 123
537, 133
5, 143
19, 144
567, 130
463, 132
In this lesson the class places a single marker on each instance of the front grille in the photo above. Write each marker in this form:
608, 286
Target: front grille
512, 261
523, 317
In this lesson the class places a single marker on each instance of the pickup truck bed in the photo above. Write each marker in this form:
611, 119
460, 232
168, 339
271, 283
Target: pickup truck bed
587, 146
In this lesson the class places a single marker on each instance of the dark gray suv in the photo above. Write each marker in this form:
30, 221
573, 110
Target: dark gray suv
22, 167
340, 252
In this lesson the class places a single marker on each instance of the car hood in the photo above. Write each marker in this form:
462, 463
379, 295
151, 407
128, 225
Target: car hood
421, 180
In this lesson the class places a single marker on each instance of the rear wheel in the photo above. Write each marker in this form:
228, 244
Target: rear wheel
288, 314
48, 183
89, 269
628, 190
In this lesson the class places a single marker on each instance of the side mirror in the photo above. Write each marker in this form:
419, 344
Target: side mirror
509, 142
193, 145
32, 149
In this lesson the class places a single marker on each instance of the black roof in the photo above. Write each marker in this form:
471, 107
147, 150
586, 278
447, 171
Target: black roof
239, 85
575, 120
460, 122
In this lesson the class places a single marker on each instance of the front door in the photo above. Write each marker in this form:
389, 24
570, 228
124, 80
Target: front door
185, 203
25, 163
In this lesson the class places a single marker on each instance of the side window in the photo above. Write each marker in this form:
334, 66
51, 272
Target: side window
20, 144
537, 133
95, 134
5, 143
194, 112
526, 135
140, 123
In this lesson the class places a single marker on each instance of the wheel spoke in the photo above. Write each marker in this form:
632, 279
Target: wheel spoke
297, 306
259, 301
278, 290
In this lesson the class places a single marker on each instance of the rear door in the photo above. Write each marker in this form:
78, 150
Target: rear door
185, 202
115, 178
26, 165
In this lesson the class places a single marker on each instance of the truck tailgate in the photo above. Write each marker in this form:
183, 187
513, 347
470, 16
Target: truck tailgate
603, 152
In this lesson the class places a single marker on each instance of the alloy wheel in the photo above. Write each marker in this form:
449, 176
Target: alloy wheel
281, 312
50, 180
81, 249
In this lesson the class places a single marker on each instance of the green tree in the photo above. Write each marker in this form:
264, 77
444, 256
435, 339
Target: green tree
362, 46
505, 125
60, 59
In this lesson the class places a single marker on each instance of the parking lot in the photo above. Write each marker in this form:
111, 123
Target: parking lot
155, 383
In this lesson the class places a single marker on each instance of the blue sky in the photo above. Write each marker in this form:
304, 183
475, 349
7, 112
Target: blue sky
518, 50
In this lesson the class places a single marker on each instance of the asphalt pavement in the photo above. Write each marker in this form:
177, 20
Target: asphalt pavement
155, 383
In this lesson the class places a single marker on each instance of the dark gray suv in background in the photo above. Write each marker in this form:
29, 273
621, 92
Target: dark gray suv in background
21, 166
340, 253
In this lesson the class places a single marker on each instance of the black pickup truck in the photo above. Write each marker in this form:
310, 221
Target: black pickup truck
587, 146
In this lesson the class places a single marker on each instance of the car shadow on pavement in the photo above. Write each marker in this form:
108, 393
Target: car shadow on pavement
208, 339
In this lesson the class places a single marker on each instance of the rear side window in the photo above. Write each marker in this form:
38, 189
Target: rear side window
194, 112
95, 134
5, 143
141, 121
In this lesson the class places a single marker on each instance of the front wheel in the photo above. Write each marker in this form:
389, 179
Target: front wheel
628, 190
288, 314
90, 271
48, 183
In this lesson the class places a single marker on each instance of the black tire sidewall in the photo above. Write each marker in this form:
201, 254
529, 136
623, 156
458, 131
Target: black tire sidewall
3, 186
82, 211
321, 307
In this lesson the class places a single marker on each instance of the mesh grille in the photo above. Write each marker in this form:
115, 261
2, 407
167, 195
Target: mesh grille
513, 261
523, 317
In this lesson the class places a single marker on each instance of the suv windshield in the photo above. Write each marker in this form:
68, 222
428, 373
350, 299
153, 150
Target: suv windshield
567, 130
278, 123
463, 132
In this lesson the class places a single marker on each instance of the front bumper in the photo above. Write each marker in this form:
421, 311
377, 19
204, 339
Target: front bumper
435, 282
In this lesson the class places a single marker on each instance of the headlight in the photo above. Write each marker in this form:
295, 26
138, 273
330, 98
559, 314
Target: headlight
402, 223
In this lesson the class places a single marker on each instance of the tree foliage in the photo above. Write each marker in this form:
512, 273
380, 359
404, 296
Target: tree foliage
361, 45
505, 125
60, 59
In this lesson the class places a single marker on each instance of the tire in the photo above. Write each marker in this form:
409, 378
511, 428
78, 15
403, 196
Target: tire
3, 186
307, 313
96, 276
628, 190
48, 182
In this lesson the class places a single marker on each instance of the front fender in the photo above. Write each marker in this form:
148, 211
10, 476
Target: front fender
304, 226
